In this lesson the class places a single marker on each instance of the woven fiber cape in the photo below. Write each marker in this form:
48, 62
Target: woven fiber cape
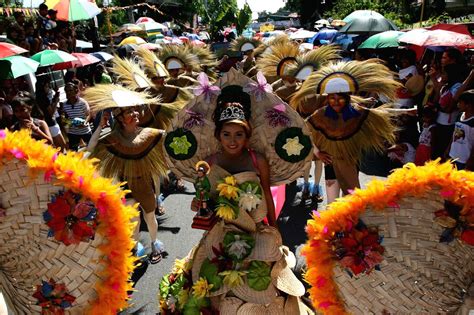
404, 245
66, 234
274, 125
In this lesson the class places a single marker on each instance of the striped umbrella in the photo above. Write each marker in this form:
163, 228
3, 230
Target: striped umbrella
52, 57
7, 50
15, 66
73, 10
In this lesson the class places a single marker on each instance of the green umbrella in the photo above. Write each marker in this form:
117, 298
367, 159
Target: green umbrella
15, 66
52, 57
382, 40
371, 25
362, 14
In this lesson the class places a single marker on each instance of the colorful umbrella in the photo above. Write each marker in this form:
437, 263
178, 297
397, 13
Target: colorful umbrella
52, 57
82, 61
382, 40
151, 46
74, 10
371, 25
300, 34
128, 27
15, 66
338, 23
361, 14
135, 40
325, 34
144, 19
103, 56
7, 50
197, 42
422, 37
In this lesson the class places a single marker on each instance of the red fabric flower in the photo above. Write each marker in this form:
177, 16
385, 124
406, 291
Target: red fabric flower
70, 218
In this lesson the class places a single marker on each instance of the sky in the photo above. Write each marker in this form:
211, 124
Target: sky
261, 5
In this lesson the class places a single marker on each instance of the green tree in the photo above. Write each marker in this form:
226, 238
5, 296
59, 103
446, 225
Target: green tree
244, 17
216, 13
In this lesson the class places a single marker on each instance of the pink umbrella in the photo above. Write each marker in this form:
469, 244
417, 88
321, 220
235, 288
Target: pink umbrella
184, 39
7, 50
197, 42
151, 46
422, 37
82, 61
144, 19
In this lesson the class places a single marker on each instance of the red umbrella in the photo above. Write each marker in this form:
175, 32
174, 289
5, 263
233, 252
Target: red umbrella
197, 42
7, 50
82, 60
422, 37
184, 39
458, 28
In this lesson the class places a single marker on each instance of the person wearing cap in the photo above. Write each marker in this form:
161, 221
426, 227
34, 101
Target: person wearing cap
130, 153
343, 130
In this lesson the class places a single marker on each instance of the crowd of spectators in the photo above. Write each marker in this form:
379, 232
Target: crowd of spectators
42, 32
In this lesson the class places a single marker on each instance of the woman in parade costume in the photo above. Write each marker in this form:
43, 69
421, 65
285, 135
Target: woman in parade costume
305, 65
130, 153
133, 77
240, 265
247, 48
274, 64
176, 59
343, 130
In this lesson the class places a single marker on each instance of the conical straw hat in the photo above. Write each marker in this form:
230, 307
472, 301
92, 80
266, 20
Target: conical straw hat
230, 305
248, 294
267, 244
285, 280
276, 307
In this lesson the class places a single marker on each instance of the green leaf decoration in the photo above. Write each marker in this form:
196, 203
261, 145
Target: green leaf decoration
194, 305
291, 133
209, 271
181, 144
258, 276
232, 237
178, 285
250, 186
164, 286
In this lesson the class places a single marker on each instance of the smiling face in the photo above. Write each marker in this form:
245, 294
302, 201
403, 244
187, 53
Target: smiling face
337, 102
233, 138
130, 116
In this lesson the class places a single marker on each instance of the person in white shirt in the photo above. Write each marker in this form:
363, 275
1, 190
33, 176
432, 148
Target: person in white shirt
462, 144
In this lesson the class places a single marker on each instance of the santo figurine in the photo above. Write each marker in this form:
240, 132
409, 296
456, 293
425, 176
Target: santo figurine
203, 188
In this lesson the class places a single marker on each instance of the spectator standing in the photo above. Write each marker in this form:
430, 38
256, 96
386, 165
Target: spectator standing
48, 100
77, 112
463, 137
427, 136
22, 105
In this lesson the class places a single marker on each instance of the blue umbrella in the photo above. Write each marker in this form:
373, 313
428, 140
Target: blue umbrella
324, 34
344, 40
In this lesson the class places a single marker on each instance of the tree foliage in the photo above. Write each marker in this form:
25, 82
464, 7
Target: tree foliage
244, 17
216, 13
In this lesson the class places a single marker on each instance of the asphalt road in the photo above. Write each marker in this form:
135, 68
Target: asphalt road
178, 237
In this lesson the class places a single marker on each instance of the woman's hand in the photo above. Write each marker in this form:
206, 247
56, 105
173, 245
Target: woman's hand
324, 156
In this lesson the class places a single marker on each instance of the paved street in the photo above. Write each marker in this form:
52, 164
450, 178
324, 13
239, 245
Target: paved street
176, 233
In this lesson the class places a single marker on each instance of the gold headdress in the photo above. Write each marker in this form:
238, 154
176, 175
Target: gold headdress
311, 61
177, 57
104, 96
130, 74
205, 55
276, 62
266, 47
369, 76
151, 63
244, 44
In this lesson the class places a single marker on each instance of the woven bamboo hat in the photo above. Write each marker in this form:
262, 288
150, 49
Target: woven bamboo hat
230, 305
248, 294
294, 305
276, 307
274, 125
425, 217
285, 280
54, 234
267, 244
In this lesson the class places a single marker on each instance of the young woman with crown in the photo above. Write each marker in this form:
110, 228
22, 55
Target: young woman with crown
250, 140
